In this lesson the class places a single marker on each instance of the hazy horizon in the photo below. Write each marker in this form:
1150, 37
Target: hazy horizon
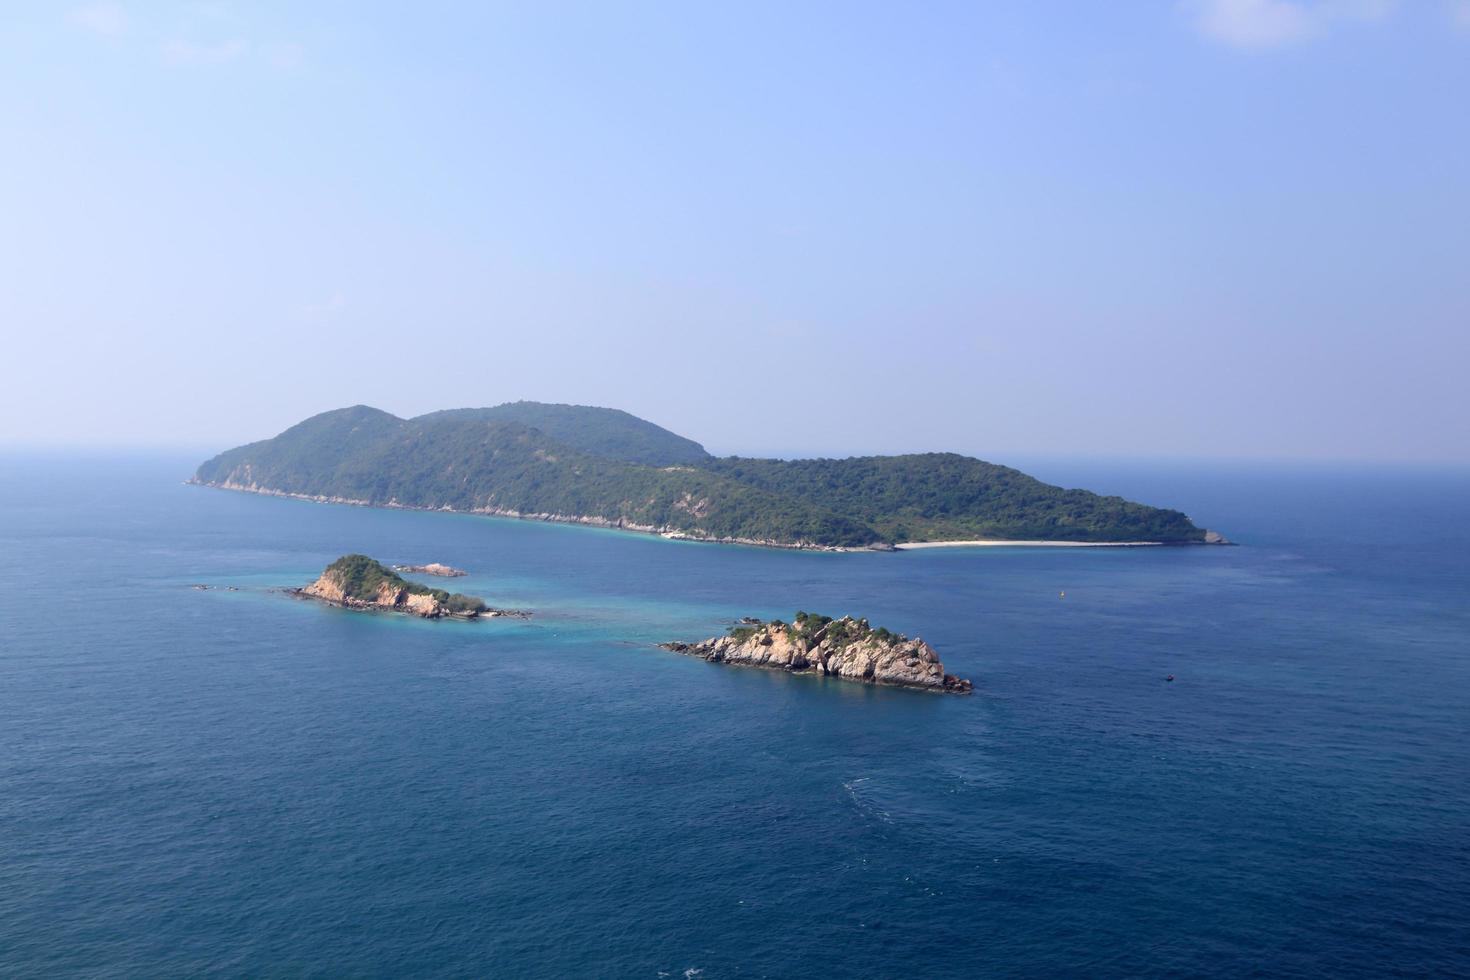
1032, 461
1224, 229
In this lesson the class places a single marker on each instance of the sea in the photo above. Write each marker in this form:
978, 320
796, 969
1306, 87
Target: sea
234, 782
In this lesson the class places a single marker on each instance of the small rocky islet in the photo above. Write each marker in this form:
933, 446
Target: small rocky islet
847, 648
432, 568
362, 583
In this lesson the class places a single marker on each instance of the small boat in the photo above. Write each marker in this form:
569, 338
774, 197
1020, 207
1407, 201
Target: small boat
1169, 678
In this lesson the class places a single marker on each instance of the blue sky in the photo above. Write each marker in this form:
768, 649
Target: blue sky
1231, 228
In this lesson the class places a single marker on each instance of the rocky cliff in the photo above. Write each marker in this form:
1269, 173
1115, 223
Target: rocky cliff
846, 648
388, 596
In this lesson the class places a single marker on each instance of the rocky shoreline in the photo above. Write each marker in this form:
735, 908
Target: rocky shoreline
669, 533
678, 534
406, 606
847, 648
358, 582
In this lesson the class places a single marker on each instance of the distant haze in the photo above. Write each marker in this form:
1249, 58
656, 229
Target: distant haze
1233, 228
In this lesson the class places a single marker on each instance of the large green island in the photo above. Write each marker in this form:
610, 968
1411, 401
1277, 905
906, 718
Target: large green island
608, 468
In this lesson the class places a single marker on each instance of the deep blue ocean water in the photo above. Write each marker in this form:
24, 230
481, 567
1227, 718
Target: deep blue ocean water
246, 784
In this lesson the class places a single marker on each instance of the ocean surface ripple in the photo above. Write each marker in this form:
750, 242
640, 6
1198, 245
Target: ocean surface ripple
234, 782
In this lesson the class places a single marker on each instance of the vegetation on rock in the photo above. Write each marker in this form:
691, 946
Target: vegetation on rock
607, 432
847, 648
362, 578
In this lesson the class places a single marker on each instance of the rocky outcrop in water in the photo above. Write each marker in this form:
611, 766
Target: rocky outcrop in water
359, 582
387, 596
432, 568
846, 648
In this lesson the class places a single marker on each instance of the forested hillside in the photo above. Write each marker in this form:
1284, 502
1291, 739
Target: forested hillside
605, 466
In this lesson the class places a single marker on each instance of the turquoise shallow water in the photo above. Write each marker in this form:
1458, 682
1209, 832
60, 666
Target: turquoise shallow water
240, 783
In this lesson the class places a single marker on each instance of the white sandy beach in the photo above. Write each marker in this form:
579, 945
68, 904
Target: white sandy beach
913, 545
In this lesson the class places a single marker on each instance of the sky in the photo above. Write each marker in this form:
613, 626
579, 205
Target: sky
1205, 229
